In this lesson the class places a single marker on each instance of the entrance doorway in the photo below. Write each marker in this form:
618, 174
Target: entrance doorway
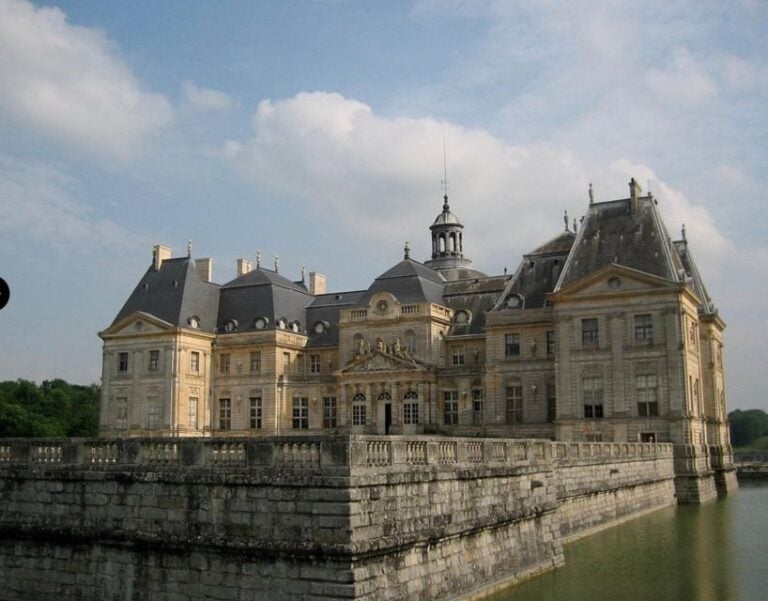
387, 417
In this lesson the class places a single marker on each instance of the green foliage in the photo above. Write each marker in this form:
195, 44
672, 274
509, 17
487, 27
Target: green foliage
55, 408
747, 426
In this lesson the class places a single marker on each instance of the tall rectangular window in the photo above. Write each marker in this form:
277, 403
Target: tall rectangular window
192, 416
457, 355
451, 407
512, 345
590, 334
154, 360
255, 413
410, 412
121, 404
300, 413
329, 412
122, 362
550, 343
643, 327
647, 395
358, 415
153, 413
224, 360
314, 364
194, 362
225, 414
255, 362
515, 404
592, 389
477, 406
551, 402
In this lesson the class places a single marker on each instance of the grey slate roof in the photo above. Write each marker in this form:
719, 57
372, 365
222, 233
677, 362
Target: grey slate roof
174, 293
326, 309
410, 282
477, 296
262, 293
611, 233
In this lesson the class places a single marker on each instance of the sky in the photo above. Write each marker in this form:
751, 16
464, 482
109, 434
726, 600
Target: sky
315, 131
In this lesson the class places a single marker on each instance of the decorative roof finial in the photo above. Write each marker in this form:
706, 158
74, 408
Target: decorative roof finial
189, 248
683, 231
258, 259
444, 181
574, 225
277, 263
565, 218
407, 250
591, 194
303, 273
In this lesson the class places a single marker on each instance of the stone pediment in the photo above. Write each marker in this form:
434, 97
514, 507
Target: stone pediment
379, 361
614, 279
137, 324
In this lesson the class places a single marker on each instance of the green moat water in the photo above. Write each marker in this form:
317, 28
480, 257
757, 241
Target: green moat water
714, 552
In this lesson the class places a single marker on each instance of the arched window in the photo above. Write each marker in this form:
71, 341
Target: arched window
385, 396
359, 410
453, 242
442, 243
411, 408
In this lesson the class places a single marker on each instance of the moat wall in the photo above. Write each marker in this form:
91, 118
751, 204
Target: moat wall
356, 517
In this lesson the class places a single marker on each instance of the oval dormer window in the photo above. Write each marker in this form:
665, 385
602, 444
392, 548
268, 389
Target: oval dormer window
514, 301
230, 325
296, 326
461, 317
282, 323
194, 322
260, 323
320, 327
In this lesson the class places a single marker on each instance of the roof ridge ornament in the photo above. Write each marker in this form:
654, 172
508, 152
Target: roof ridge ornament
591, 194
277, 264
258, 259
685, 239
189, 248
407, 250
565, 219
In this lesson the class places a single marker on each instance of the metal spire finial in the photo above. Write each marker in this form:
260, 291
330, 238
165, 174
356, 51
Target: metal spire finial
407, 250
444, 181
565, 218
189, 248
303, 273
683, 231
591, 194
258, 259
277, 263
574, 225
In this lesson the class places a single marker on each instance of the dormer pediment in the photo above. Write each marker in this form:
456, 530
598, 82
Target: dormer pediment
614, 280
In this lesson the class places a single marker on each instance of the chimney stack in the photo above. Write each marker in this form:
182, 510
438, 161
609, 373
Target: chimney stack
160, 253
243, 266
317, 283
204, 268
634, 196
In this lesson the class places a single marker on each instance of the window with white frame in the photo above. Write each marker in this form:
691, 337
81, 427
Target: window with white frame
121, 405
225, 414
592, 392
122, 363
154, 360
194, 362
477, 406
643, 327
514, 394
411, 408
330, 413
255, 410
359, 416
512, 345
451, 407
314, 364
646, 386
192, 412
590, 333
457, 355
300, 413
153, 413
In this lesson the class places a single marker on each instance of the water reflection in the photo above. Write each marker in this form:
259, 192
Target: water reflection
714, 552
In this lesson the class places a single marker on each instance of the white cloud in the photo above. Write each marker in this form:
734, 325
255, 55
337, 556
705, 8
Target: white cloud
67, 82
381, 177
206, 99
683, 81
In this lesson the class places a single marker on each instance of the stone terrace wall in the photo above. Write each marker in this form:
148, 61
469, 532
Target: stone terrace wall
602, 484
322, 518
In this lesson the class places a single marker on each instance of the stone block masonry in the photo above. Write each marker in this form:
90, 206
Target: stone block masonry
318, 518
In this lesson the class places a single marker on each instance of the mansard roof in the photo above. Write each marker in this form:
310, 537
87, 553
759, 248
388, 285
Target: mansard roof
410, 282
612, 232
475, 296
174, 293
262, 293
325, 310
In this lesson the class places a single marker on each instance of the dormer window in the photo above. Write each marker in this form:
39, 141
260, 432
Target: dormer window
461, 317
194, 322
230, 325
260, 323
320, 327
514, 301
296, 326
282, 323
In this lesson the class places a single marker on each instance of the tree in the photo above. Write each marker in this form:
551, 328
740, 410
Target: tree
747, 426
